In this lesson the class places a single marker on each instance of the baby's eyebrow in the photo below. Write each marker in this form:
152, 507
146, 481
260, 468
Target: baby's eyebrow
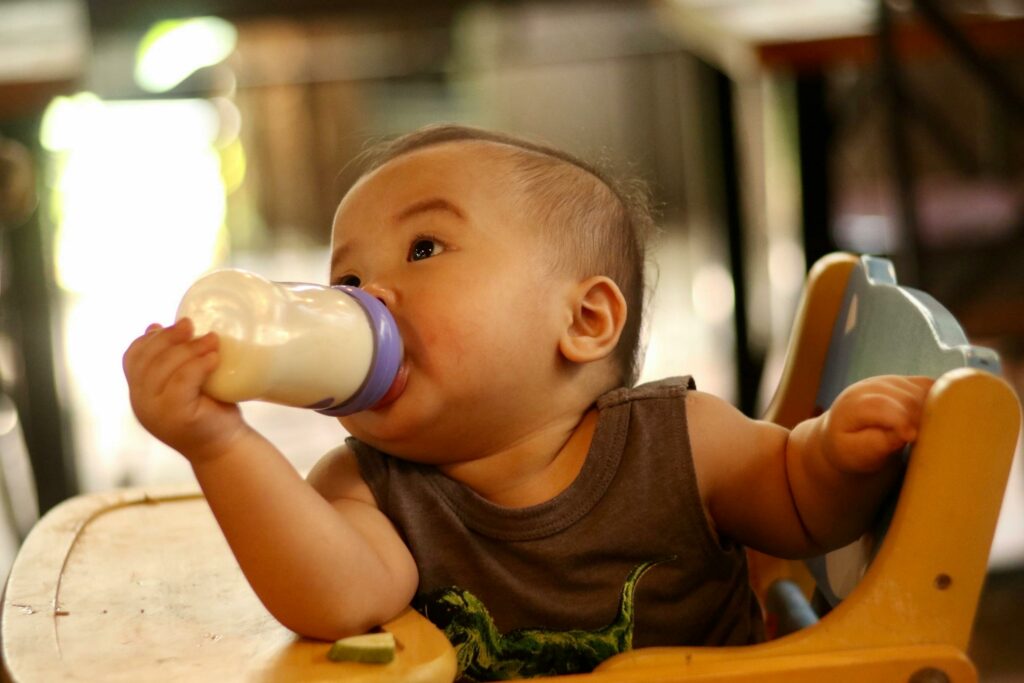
416, 208
428, 205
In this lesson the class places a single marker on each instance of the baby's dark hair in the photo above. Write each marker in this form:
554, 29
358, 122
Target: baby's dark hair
599, 225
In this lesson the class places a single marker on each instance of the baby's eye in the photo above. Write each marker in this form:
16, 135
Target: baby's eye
423, 248
349, 280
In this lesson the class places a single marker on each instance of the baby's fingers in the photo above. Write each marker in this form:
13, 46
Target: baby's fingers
921, 383
870, 449
892, 401
138, 351
186, 379
154, 358
155, 341
171, 364
896, 415
910, 393
908, 389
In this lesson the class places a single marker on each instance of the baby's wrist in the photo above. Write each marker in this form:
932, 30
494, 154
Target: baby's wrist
206, 451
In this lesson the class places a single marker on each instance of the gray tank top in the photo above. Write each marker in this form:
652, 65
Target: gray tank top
622, 558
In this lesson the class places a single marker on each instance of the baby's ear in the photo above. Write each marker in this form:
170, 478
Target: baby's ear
598, 315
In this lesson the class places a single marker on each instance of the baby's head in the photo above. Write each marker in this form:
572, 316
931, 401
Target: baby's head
516, 275
594, 223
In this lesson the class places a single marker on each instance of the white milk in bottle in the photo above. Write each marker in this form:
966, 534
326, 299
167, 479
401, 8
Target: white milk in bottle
333, 349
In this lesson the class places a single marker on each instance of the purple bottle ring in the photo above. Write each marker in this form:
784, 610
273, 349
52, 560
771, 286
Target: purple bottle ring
387, 356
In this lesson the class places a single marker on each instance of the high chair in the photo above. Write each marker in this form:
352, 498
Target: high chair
140, 585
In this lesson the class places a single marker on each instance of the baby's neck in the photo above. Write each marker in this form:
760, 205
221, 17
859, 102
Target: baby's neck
533, 470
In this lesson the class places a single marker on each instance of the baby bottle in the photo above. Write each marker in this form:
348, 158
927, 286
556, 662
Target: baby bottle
333, 349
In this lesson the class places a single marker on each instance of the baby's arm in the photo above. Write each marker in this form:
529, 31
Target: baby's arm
325, 568
801, 492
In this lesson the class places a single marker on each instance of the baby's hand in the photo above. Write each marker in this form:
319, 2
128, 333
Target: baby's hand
871, 420
166, 369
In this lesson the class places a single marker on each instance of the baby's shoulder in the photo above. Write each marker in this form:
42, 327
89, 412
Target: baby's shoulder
337, 475
715, 425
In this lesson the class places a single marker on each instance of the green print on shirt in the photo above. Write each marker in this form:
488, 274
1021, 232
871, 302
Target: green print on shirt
485, 654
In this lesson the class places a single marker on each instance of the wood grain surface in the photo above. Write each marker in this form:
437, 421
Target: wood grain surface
141, 586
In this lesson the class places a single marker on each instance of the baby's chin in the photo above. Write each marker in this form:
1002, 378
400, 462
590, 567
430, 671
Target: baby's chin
384, 434
421, 427
414, 445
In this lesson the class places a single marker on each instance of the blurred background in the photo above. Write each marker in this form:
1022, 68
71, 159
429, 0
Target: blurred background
143, 143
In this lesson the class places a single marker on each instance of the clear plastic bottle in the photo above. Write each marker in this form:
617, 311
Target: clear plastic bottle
333, 349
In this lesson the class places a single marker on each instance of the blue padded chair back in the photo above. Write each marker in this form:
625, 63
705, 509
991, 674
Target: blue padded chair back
884, 328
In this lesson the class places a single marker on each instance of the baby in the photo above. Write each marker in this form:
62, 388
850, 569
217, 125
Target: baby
513, 484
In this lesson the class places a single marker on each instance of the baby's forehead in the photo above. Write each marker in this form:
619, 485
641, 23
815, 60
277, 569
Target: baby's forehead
519, 186
470, 155
458, 170
476, 178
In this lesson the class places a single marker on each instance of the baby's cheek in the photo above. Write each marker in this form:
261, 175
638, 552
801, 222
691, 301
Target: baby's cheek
441, 338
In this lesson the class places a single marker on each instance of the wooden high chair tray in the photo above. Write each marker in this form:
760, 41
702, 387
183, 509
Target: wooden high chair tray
140, 585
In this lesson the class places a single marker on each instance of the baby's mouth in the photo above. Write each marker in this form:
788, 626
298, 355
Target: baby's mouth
396, 388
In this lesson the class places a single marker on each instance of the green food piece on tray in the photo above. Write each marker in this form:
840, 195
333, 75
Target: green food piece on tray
370, 648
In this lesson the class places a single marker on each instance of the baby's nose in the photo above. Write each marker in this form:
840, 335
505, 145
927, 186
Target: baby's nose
383, 294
